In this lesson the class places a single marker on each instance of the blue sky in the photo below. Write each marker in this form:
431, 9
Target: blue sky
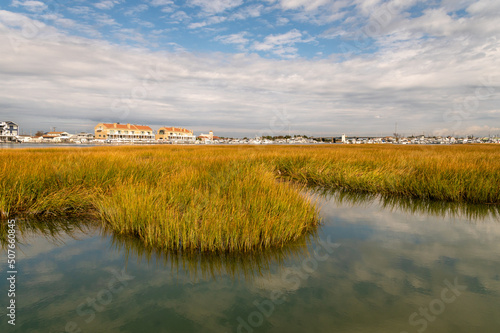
245, 68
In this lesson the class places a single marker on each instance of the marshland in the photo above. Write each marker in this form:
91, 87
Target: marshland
227, 198
235, 239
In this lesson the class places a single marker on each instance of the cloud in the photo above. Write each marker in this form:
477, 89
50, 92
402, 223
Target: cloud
282, 21
32, 6
418, 67
132, 11
180, 16
106, 4
469, 130
281, 44
248, 12
215, 6
306, 5
80, 10
158, 3
105, 20
238, 39
211, 20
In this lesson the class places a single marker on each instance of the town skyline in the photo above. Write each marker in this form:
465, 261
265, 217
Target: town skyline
157, 131
247, 68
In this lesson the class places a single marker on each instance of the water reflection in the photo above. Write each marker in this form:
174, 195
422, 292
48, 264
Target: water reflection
55, 230
394, 259
443, 209
197, 265
206, 265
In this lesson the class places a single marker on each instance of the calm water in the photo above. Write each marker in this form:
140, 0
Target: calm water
374, 266
42, 145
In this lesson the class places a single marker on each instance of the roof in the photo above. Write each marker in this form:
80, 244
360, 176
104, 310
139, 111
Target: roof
175, 129
207, 137
126, 127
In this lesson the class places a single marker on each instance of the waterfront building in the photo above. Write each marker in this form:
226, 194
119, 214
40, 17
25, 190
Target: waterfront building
82, 137
175, 134
123, 132
56, 137
208, 137
9, 130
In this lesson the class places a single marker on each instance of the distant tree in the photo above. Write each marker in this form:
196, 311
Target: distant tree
39, 133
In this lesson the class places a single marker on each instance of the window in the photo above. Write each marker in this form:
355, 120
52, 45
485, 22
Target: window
162, 132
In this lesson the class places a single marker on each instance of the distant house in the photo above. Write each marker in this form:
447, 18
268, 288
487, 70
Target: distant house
25, 138
56, 137
175, 134
9, 130
123, 132
83, 137
208, 137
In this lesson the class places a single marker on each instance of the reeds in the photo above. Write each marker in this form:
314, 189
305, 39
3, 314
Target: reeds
227, 198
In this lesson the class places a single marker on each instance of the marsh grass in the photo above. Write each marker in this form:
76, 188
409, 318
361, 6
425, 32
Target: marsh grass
232, 199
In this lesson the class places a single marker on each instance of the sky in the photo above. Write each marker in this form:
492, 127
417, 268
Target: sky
252, 68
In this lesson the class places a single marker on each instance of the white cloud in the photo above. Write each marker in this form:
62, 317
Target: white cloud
81, 10
106, 4
238, 38
307, 5
32, 6
422, 68
282, 21
281, 44
180, 16
132, 11
484, 7
158, 3
469, 130
210, 20
247, 12
215, 6
105, 20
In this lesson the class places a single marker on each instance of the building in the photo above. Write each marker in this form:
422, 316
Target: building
82, 137
208, 137
56, 137
123, 132
9, 130
174, 134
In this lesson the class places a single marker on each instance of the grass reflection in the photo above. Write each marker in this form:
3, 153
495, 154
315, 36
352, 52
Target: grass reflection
54, 230
195, 264
413, 206
213, 265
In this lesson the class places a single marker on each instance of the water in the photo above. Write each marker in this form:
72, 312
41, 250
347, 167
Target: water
43, 145
375, 265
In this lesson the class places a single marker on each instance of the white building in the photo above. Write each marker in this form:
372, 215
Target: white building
56, 137
9, 130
